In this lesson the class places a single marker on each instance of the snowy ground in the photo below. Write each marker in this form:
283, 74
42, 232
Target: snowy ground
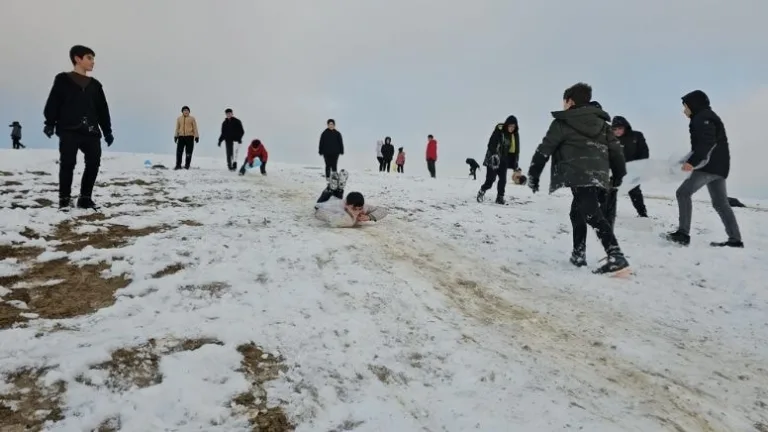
203, 301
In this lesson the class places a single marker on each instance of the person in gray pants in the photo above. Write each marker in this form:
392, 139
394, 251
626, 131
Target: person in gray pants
709, 164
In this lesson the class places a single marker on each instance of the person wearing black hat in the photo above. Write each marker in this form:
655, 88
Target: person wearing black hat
331, 147
231, 132
502, 153
635, 148
185, 137
709, 164
16, 135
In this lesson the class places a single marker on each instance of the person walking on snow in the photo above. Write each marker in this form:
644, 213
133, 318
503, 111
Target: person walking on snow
78, 113
473, 166
16, 136
635, 148
185, 137
584, 153
431, 155
231, 132
379, 157
331, 147
256, 150
387, 152
400, 161
502, 153
709, 164
339, 212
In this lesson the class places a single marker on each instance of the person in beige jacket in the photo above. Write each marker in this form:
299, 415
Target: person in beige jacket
185, 137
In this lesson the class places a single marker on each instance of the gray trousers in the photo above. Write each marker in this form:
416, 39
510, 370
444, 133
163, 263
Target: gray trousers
717, 193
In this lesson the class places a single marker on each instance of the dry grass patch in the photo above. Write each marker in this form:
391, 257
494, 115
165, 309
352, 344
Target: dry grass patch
113, 236
5, 173
11, 183
28, 404
139, 366
189, 222
260, 367
38, 173
171, 269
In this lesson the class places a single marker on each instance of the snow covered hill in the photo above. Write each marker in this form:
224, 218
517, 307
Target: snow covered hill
203, 301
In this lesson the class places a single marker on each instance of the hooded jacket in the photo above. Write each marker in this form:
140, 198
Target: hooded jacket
709, 142
15, 130
632, 142
583, 149
504, 144
388, 150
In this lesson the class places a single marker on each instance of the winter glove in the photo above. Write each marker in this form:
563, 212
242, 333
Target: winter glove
48, 131
239, 141
109, 139
242, 170
219, 143
176, 139
197, 139
616, 182
533, 183
495, 162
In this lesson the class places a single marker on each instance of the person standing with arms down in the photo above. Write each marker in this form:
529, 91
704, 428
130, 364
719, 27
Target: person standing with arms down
185, 137
231, 132
331, 147
431, 155
379, 157
388, 153
78, 113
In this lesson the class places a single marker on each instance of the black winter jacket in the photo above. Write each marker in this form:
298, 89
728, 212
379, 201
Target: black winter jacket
75, 109
331, 143
632, 142
232, 130
709, 142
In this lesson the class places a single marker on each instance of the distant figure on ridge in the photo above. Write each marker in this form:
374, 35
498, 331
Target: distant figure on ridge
388, 153
78, 113
185, 137
331, 147
431, 155
400, 161
379, 157
501, 154
16, 136
231, 132
473, 166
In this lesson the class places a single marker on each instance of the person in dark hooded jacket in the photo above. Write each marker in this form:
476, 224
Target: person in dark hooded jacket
635, 148
16, 135
709, 164
387, 153
473, 166
502, 153
584, 154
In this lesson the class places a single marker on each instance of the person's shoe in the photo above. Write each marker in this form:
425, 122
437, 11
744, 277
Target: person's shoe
500, 200
614, 263
333, 181
65, 203
679, 237
343, 177
480, 195
578, 258
729, 243
176, 168
86, 203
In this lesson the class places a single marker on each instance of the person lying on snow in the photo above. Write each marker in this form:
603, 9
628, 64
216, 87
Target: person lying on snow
339, 212
256, 150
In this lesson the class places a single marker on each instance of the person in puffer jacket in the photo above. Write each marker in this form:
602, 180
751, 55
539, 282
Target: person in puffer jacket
635, 148
339, 212
256, 150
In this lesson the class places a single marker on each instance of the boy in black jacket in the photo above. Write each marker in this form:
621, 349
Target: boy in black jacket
331, 147
635, 148
502, 153
75, 110
709, 165
231, 132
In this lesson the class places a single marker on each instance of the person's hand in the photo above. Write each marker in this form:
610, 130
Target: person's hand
219, 143
239, 141
687, 167
616, 182
176, 139
362, 217
197, 139
109, 139
48, 131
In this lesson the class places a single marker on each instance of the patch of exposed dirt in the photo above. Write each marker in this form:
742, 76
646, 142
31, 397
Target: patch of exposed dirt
21, 253
38, 173
260, 367
171, 269
138, 367
44, 202
126, 182
188, 222
28, 404
11, 183
210, 290
5, 173
113, 236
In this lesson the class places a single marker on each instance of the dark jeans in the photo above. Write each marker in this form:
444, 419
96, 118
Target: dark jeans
717, 193
381, 163
230, 146
587, 208
636, 195
431, 168
490, 177
609, 207
69, 144
400, 168
473, 172
185, 144
17, 143
327, 194
331, 162
387, 164
262, 167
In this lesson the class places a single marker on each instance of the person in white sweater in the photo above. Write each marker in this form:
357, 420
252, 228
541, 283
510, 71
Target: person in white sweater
379, 155
339, 212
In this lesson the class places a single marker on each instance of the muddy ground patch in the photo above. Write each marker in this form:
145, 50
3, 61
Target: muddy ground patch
28, 404
259, 367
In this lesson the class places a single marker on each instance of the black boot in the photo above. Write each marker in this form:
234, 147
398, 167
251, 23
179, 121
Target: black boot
679, 237
480, 195
729, 243
578, 258
65, 203
86, 203
614, 263
500, 200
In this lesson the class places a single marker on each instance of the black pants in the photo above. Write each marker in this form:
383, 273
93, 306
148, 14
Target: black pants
490, 177
401, 168
473, 172
69, 144
185, 144
610, 206
262, 167
431, 168
381, 163
230, 148
17, 143
636, 195
331, 162
387, 164
327, 194
587, 208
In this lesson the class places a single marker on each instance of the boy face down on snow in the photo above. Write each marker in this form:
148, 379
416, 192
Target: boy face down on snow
339, 212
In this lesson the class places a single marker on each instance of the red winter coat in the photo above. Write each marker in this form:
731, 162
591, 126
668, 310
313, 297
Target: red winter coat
257, 150
432, 150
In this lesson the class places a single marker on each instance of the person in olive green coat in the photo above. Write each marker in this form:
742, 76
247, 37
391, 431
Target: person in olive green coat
584, 154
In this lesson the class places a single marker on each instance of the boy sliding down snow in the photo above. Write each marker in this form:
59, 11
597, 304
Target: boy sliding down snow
338, 212
256, 150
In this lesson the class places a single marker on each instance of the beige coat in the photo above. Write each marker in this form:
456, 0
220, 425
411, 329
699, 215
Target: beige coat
186, 126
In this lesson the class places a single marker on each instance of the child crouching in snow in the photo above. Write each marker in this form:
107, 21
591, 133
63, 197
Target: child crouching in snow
256, 150
338, 212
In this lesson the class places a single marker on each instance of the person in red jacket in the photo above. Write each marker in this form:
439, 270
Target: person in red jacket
431, 155
256, 150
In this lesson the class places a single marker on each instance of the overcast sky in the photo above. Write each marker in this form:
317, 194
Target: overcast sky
404, 68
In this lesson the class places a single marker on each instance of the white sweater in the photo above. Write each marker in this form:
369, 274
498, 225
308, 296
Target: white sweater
334, 213
379, 144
